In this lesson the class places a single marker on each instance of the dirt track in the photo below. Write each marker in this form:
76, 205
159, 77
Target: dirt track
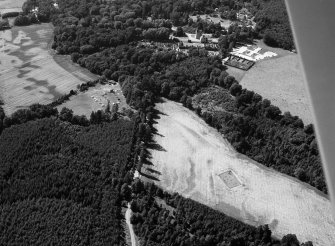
130, 226
194, 154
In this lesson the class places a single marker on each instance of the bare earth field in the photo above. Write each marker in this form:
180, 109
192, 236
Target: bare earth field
281, 81
197, 162
30, 72
94, 99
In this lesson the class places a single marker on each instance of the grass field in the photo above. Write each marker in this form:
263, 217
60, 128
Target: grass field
96, 98
281, 81
280, 52
30, 72
192, 158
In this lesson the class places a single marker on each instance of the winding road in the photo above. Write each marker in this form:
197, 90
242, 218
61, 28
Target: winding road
130, 226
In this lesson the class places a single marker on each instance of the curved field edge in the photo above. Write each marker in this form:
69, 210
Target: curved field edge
281, 81
192, 157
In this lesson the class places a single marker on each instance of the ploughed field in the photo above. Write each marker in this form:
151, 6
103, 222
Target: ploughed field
195, 160
30, 72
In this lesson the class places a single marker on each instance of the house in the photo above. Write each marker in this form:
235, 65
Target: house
199, 37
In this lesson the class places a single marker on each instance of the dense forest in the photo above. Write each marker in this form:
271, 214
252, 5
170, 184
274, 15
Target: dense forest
61, 183
273, 24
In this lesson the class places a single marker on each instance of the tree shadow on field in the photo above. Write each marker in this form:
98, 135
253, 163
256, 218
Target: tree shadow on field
156, 116
147, 162
154, 171
149, 171
148, 176
155, 132
155, 146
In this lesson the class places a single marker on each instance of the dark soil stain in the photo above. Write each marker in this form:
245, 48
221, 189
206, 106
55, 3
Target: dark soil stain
29, 88
211, 185
44, 83
190, 180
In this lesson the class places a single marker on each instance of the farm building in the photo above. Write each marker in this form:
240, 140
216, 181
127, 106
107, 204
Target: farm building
200, 37
252, 53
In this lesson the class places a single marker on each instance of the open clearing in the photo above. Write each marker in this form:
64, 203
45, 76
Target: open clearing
30, 73
281, 81
96, 98
191, 159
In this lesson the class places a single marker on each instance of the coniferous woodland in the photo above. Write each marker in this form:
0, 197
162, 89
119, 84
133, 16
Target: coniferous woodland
61, 183
64, 178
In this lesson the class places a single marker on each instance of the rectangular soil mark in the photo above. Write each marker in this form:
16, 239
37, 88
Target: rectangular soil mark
230, 179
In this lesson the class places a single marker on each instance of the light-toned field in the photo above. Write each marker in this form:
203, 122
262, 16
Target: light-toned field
192, 157
281, 81
30, 72
95, 99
